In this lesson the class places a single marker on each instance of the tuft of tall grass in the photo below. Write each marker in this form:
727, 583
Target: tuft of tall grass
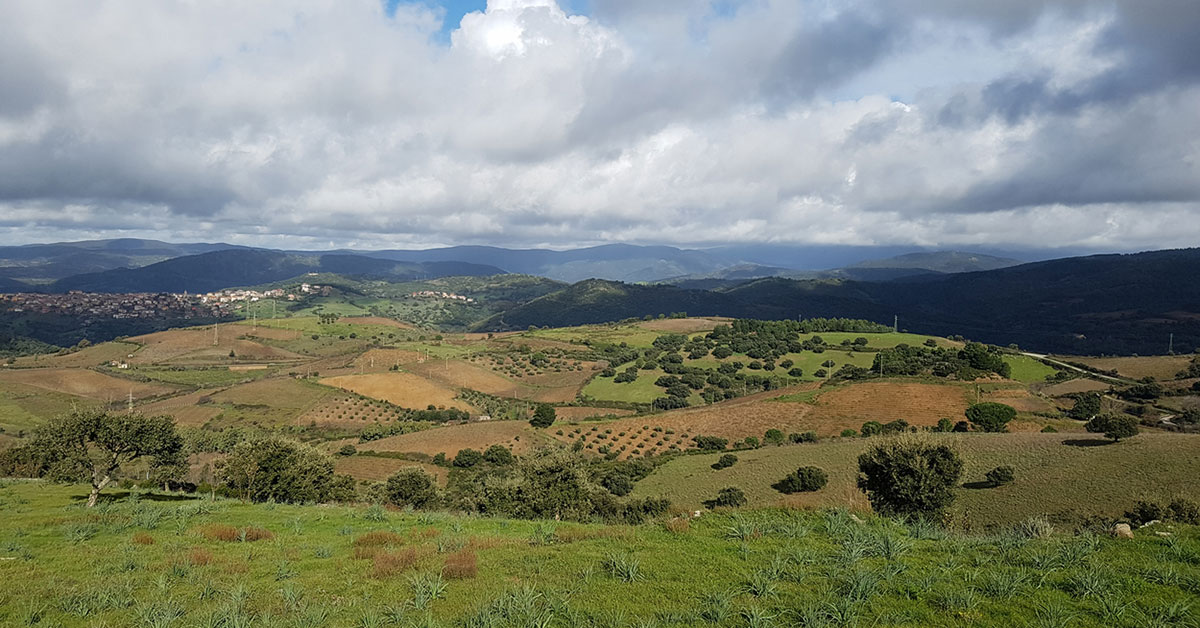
387, 564
426, 588
142, 538
623, 567
461, 565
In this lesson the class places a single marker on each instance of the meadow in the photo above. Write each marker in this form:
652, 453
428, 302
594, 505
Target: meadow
151, 560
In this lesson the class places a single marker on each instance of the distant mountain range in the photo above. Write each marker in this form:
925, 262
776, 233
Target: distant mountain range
43, 265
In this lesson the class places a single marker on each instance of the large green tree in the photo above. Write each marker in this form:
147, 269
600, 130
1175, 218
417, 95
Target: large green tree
990, 416
906, 476
1114, 426
281, 470
411, 487
94, 446
543, 416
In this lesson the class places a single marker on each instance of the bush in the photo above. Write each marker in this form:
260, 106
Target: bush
806, 437
440, 459
543, 416
802, 480
710, 443
1144, 512
849, 433
725, 461
411, 487
467, 458
1049, 429
1115, 427
1184, 511
944, 425
871, 428
1000, 476
990, 416
909, 477
499, 455
617, 483
751, 442
773, 437
347, 450
728, 497
461, 565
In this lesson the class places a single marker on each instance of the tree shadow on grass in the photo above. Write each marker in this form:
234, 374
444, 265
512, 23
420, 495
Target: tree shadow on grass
975, 486
1087, 442
150, 497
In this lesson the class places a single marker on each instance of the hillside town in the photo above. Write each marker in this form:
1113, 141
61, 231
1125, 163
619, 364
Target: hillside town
116, 306
434, 294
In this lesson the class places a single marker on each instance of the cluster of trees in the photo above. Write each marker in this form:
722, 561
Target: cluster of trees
972, 361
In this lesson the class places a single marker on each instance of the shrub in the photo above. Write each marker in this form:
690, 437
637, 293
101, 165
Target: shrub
543, 416
411, 487
678, 525
990, 416
467, 458
849, 433
944, 425
617, 483
1115, 427
909, 477
871, 428
1000, 476
378, 538
725, 461
1184, 511
461, 565
252, 534
802, 480
806, 437
728, 497
710, 443
347, 450
752, 442
141, 538
1049, 429
280, 470
1144, 512
499, 455
440, 459
199, 557
773, 437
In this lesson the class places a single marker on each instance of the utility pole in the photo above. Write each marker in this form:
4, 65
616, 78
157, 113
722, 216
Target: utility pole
896, 324
1171, 344
214, 334
131, 400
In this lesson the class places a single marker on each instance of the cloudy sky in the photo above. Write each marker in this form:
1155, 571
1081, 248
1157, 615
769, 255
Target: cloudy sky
320, 123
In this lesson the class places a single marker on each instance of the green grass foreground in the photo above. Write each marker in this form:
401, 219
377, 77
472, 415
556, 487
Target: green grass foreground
160, 561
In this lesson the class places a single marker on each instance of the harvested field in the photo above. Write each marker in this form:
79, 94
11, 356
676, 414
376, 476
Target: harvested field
1019, 398
517, 434
576, 413
248, 367
556, 387
458, 374
84, 383
683, 325
95, 355
403, 389
917, 403
378, 360
1156, 366
195, 346
185, 409
1075, 386
378, 469
271, 333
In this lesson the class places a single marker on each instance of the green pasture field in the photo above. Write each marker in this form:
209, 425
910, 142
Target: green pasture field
202, 378
1028, 370
885, 340
1064, 476
81, 568
23, 408
642, 390
632, 335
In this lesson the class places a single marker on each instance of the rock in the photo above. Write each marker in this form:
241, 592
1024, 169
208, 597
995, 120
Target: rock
856, 519
1123, 531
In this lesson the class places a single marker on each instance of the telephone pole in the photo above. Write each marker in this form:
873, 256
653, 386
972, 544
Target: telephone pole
131, 400
896, 324
1171, 344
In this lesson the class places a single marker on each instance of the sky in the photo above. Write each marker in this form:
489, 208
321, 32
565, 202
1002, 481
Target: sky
1023, 124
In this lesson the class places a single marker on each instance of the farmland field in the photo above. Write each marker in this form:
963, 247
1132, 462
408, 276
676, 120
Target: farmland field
95, 355
1028, 370
1158, 366
403, 389
1059, 475
84, 383
378, 468
516, 434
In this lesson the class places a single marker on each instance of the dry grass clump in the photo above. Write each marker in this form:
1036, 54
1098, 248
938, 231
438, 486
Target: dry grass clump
387, 564
230, 534
141, 538
378, 538
219, 532
679, 525
199, 557
460, 565
427, 533
257, 534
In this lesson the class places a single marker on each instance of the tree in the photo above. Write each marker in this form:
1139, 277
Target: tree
802, 480
543, 416
990, 416
906, 476
499, 455
1115, 427
94, 446
1086, 407
617, 483
1000, 476
710, 443
347, 450
279, 470
411, 487
467, 458
728, 497
773, 437
724, 462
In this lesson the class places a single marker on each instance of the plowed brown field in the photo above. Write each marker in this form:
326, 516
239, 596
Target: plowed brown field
379, 469
84, 383
195, 346
403, 389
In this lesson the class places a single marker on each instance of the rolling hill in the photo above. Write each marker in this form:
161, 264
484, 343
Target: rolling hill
247, 267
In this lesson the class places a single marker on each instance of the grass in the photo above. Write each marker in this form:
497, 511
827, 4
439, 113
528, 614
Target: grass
641, 390
202, 378
1028, 370
780, 569
1064, 476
